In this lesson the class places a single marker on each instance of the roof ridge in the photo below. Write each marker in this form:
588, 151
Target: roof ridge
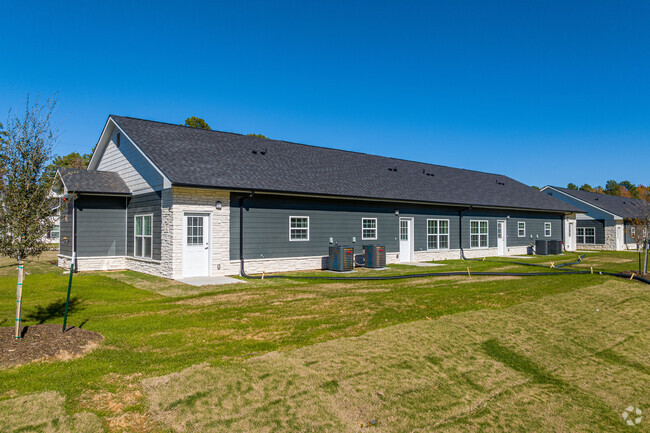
315, 146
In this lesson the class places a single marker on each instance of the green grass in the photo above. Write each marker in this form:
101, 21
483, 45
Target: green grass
155, 327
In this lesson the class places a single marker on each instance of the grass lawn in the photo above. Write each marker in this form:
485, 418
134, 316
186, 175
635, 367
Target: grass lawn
553, 353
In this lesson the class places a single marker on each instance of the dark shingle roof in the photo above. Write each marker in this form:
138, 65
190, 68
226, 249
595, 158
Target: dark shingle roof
90, 181
621, 206
196, 157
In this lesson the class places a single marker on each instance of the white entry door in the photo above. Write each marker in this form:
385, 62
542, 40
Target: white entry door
501, 238
196, 245
571, 232
405, 240
620, 239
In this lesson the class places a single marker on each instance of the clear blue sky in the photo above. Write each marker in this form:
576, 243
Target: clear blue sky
547, 92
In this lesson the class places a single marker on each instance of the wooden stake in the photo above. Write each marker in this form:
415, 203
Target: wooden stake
592, 270
19, 296
552, 265
484, 258
632, 276
262, 274
468, 272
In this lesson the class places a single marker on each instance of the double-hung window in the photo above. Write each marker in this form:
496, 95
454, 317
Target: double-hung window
547, 229
437, 234
586, 235
298, 228
521, 229
368, 228
143, 237
478, 234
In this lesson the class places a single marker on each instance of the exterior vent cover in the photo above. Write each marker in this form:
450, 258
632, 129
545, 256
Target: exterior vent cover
341, 258
375, 256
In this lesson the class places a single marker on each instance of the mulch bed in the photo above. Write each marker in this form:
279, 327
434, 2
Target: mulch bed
44, 342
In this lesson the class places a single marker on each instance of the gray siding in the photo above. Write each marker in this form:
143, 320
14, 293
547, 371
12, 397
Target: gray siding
534, 226
100, 226
599, 225
65, 236
266, 225
137, 172
145, 204
591, 211
628, 239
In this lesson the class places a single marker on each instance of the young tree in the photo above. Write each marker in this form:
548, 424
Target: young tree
572, 186
25, 207
196, 122
639, 230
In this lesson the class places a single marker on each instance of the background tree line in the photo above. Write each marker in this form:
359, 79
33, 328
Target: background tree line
620, 189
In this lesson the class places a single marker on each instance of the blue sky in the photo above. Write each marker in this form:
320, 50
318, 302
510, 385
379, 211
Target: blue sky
547, 92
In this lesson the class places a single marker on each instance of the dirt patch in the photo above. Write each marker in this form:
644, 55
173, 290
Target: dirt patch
45, 342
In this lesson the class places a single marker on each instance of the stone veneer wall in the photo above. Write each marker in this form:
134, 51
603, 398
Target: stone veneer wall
93, 263
198, 201
610, 239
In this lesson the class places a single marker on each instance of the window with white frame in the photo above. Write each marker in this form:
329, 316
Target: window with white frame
547, 229
478, 234
368, 228
298, 228
53, 235
521, 229
143, 237
586, 235
437, 234
632, 231
194, 231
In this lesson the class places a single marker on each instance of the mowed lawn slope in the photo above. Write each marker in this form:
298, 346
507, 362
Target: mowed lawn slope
553, 353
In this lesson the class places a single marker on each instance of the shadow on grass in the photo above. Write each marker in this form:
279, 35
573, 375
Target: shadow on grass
53, 310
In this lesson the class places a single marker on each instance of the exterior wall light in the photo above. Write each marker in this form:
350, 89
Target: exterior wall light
218, 205
396, 212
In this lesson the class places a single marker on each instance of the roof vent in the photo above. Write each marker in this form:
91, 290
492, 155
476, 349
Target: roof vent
392, 168
500, 182
255, 152
263, 152
426, 173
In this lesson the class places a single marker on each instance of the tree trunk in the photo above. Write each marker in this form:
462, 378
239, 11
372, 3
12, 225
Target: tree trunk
19, 296
645, 265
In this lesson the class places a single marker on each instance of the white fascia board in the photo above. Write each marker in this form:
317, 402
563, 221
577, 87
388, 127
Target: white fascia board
100, 146
614, 216
103, 141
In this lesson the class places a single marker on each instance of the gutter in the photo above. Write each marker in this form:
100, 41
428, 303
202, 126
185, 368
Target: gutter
241, 232
460, 231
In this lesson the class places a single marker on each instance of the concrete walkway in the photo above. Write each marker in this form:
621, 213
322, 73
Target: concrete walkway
209, 281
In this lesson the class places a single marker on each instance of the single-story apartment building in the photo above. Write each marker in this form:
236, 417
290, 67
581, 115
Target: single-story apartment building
605, 221
178, 202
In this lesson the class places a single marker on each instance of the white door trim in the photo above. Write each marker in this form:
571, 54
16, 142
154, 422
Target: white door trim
411, 232
570, 241
502, 244
207, 238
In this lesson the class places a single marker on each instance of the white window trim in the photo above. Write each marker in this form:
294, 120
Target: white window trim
301, 228
550, 229
438, 243
376, 229
584, 236
487, 234
519, 235
135, 217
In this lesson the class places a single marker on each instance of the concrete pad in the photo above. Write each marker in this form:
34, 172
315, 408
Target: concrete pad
423, 264
209, 281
